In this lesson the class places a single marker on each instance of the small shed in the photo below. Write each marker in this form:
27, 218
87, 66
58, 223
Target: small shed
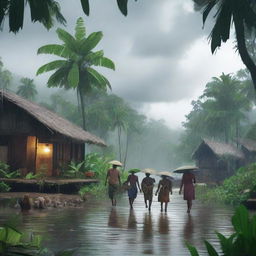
217, 160
34, 139
248, 147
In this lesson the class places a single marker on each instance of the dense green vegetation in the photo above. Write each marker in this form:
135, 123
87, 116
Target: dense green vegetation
241, 242
99, 165
223, 112
234, 190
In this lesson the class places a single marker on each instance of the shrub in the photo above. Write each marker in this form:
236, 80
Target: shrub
235, 189
4, 187
242, 242
6, 173
99, 164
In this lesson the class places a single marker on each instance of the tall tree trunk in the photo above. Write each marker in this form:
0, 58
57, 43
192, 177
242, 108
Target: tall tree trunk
240, 37
119, 142
126, 148
80, 95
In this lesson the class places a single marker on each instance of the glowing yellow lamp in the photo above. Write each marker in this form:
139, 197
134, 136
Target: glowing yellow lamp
46, 148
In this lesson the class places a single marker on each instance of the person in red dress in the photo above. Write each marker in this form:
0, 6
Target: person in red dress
188, 180
165, 187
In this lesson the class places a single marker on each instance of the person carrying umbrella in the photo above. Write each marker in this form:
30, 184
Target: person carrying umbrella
147, 185
165, 187
133, 182
113, 179
187, 181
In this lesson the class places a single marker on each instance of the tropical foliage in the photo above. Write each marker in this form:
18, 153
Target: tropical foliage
5, 77
5, 171
221, 112
234, 190
241, 242
242, 15
42, 11
27, 89
16, 243
75, 69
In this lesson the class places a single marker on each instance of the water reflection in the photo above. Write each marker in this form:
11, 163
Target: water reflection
147, 234
113, 220
101, 230
188, 228
132, 222
163, 223
163, 228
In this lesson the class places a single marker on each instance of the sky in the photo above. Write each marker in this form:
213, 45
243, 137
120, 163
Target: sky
161, 52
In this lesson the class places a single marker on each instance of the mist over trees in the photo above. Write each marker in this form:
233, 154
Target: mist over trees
221, 113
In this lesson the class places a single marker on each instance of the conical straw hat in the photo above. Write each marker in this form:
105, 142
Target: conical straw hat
150, 171
115, 162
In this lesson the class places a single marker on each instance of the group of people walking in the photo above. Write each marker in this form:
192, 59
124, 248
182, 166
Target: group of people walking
163, 191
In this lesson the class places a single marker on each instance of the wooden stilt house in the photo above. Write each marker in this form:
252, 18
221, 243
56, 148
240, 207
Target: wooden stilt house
34, 139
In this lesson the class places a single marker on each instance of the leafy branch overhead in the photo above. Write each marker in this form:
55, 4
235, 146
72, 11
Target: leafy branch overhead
42, 11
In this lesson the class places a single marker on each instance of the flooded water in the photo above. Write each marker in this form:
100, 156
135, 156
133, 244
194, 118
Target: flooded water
100, 229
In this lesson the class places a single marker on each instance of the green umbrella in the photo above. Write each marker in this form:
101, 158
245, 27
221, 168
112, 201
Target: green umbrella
134, 170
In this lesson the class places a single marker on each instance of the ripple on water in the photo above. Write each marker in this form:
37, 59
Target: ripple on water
103, 230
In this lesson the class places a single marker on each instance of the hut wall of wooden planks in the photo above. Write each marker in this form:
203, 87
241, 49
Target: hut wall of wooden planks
35, 139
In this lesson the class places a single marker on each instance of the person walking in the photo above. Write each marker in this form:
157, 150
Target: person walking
133, 183
164, 188
187, 181
113, 179
147, 186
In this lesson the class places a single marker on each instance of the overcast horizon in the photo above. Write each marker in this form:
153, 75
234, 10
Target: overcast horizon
162, 54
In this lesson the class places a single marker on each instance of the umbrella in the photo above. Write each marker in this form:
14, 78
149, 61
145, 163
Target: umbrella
150, 171
165, 173
134, 170
185, 168
115, 162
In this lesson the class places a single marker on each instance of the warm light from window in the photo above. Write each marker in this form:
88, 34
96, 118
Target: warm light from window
46, 148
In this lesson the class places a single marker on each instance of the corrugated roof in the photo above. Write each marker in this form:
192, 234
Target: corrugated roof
52, 121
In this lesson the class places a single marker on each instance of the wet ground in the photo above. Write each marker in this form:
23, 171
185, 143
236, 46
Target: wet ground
100, 229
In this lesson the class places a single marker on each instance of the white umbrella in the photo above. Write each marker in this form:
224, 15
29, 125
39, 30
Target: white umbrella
185, 168
165, 173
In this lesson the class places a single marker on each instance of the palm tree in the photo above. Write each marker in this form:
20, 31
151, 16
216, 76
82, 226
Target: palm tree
74, 70
225, 105
242, 14
5, 77
27, 89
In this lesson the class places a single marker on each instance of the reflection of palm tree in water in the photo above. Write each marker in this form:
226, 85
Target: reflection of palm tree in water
188, 228
148, 234
132, 223
163, 224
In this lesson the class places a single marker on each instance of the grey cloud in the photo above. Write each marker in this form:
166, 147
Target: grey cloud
146, 58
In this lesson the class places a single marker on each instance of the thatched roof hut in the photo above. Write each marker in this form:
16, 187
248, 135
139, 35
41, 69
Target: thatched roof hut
53, 122
217, 160
35, 139
219, 149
